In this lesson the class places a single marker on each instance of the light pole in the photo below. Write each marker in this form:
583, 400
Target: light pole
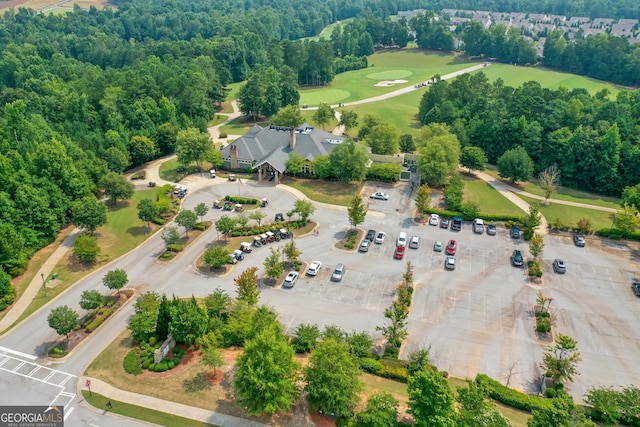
44, 284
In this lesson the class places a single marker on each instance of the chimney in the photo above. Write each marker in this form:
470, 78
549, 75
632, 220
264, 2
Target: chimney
233, 151
292, 141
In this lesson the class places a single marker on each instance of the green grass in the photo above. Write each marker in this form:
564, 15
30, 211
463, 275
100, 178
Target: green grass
515, 76
489, 199
564, 193
140, 413
332, 192
122, 233
328, 30
234, 88
168, 170
415, 65
569, 215
240, 126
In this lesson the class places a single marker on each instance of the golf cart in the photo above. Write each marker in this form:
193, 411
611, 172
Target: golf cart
212, 173
245, 247
238, 254
239, 208
279, 217
228, 206
257, 242
264, 203
232, 177
216, 204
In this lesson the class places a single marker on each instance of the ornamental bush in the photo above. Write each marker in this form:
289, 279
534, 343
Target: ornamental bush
132, 362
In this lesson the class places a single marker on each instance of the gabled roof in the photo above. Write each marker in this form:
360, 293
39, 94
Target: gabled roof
272, 144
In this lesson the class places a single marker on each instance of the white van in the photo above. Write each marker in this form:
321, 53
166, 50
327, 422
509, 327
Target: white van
402, 239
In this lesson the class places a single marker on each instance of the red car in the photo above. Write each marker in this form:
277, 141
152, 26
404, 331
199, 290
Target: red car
399, 252
451, 247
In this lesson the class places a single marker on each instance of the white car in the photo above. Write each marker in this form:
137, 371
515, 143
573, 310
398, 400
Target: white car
450, 263
380, 237
380, 196
415, 242
291, 279
314, 267
402, 239
435, 218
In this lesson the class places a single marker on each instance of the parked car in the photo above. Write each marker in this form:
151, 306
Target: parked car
444, 223
279, 217
380, 237
437, 246
412, 168
399, 253
314, 268
456, 225
635, 286
291, 279
364, 246
578, 239
338, 273
434, 219
371, 234
402, 239
478, 226
516, 258
450, 263
559, 266
380, 196
415, 242
451, 247
491, 229
515, 233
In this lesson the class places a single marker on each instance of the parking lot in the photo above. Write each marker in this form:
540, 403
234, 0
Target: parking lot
476, 318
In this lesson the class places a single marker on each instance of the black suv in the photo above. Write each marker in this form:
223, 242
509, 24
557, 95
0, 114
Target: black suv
456, 225
516, 258
371, 234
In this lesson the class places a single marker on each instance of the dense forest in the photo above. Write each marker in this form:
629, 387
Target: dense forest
593, 140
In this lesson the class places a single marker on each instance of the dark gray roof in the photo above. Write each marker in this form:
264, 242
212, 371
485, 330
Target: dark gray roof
271, 144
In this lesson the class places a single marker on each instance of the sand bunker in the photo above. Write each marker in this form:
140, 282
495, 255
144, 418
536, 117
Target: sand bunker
390, 82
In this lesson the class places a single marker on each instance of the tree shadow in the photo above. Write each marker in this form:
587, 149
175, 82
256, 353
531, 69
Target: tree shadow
137, 231
198, 382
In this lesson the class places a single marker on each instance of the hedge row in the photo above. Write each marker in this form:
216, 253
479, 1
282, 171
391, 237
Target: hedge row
201, 226
511, 397
175, 247
99, 320
241, 200
485, 216
615, 233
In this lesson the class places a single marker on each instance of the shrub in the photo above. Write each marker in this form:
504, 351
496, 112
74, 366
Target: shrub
162, 367
370, 365
152, 184
153, 341
201, 226
550, 392
223, 134
132, 362
152, 367
145, 363
391, 351
171, 364
511, 397
159, 221
241, 200
175, 247
394, 373
166, 256
445, 374
99, 320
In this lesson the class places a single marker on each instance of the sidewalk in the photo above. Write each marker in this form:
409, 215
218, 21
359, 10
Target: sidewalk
36, 283
166, 406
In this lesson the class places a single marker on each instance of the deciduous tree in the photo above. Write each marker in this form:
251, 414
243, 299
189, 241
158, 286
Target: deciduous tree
188, 321
291, 251
267, 374
143, 322
516, 165
147, 211
536, 245
306, 337
406, 143
348, 161
476, 410
216, 256
211, 354
289, 116
186, 219
381, 411
295, 163
201, 210
423, 198
257, 216
473, 158
116, 186
439, 151
192, 146
91, 300
357, 211
383, 139
86, 248
561, 360
431, 399
142, 149
323, 115
272, 264
225, 224
549, 180
89, 213
627, 219
332, 378
63, 320
348, 119
247, 286
170, 235
562, 413
631, 196
116, 279
304, 208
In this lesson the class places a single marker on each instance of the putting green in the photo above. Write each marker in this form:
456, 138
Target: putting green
389, 75
314, 97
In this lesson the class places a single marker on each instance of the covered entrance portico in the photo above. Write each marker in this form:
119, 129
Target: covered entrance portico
267, 172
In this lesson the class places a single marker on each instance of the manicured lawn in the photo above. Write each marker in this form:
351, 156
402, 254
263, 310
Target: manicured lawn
488, 198
122, 233
515, 76
564, 193
240, 126
332, 192
569, 215
328, 30
233, 92
168, 170
139, 412
413, 65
